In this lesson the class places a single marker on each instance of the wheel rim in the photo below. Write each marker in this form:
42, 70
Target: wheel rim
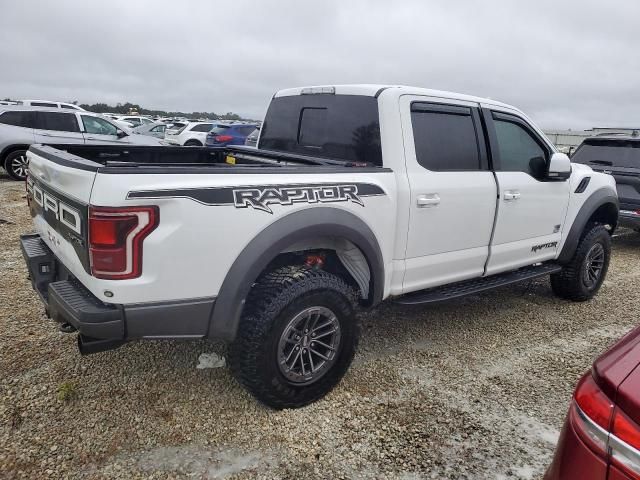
593, 265
20, 165
308, 345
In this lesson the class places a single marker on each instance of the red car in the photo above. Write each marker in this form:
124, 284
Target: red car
601, 436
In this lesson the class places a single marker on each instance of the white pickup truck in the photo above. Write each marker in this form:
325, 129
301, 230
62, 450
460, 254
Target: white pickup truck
355, 194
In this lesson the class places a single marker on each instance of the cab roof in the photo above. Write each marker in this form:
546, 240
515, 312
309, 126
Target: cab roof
374, 90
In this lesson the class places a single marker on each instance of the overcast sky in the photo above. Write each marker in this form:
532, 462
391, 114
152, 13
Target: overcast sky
568, 64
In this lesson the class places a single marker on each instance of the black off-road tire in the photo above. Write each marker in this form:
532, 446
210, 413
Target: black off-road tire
12, 165
571, 282
277, 298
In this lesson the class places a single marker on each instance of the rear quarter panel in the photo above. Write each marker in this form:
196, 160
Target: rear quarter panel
195, 244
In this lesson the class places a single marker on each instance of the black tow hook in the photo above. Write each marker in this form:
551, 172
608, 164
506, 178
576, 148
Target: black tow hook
67, 328
88, 345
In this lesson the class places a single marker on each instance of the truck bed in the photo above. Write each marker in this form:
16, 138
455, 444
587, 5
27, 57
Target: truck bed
160, 159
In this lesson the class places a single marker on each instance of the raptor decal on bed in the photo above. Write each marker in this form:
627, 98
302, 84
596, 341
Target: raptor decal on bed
260, 197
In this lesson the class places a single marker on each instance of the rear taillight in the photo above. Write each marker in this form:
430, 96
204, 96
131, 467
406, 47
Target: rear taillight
222, 138
591, 414
607, 430
624, 444
115, 240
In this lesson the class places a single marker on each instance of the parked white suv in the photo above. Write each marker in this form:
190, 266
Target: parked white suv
49, 104
193, 134
21, 127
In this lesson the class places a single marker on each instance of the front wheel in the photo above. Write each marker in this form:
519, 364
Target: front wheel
17, 165
582, 277
297, 336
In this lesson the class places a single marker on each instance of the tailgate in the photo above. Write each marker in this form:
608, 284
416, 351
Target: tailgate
58, 190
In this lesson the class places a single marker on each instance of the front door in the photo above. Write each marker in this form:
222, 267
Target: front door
100, 131
452, 192
531, 209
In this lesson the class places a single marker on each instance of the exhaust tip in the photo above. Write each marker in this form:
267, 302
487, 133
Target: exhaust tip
89, 345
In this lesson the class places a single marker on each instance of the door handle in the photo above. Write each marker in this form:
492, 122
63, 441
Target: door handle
430, 200
511, 195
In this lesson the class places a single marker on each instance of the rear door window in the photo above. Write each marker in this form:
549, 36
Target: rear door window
445, 137
204, 127
60, 122
609, 153
19, 119
340, 127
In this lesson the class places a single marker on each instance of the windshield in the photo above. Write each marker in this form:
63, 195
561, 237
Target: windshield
614, 153
340, 127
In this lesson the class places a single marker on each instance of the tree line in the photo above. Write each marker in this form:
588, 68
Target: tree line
125, 108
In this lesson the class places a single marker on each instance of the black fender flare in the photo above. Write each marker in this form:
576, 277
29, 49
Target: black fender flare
298, 226
597, 199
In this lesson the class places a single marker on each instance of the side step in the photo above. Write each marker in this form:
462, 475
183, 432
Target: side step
476, 285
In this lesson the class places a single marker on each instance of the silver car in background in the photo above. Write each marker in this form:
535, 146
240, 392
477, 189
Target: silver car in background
22, 126
156, 130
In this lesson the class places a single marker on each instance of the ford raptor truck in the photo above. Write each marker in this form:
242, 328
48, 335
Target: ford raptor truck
355, 194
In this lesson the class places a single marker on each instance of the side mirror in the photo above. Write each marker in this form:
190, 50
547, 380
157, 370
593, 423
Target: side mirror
121, 133
559, 167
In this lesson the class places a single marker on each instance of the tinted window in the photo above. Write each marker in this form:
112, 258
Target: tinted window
341, 127
44, 104
159, 128
60, 122
612, 153
98, 126
246, 130
70, 107
445, 137
220, 130
19, 119
518, 147
205, 127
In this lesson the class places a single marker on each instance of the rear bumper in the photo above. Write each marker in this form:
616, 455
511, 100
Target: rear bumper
629, 219
66, 300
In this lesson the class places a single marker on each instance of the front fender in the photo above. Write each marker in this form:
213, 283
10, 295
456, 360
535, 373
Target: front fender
600, 197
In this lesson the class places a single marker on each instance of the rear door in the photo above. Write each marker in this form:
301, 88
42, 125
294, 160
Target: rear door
57, 127
531, 210
453, 192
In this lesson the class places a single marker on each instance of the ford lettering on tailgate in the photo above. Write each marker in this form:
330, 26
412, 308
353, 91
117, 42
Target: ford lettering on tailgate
65, 216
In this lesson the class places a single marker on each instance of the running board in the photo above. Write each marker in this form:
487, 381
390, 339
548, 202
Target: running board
476, 285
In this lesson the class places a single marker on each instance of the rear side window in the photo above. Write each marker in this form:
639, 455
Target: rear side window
445, 137
340, 127
61, 122
204, 127
608, 153
220, 130
19, 119
68, 107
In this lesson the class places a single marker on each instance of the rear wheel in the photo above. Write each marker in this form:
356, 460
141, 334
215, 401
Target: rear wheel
582, 277
297, 337
192, 143
17, 165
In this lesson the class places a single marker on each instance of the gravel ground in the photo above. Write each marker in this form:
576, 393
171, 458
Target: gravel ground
476, 388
